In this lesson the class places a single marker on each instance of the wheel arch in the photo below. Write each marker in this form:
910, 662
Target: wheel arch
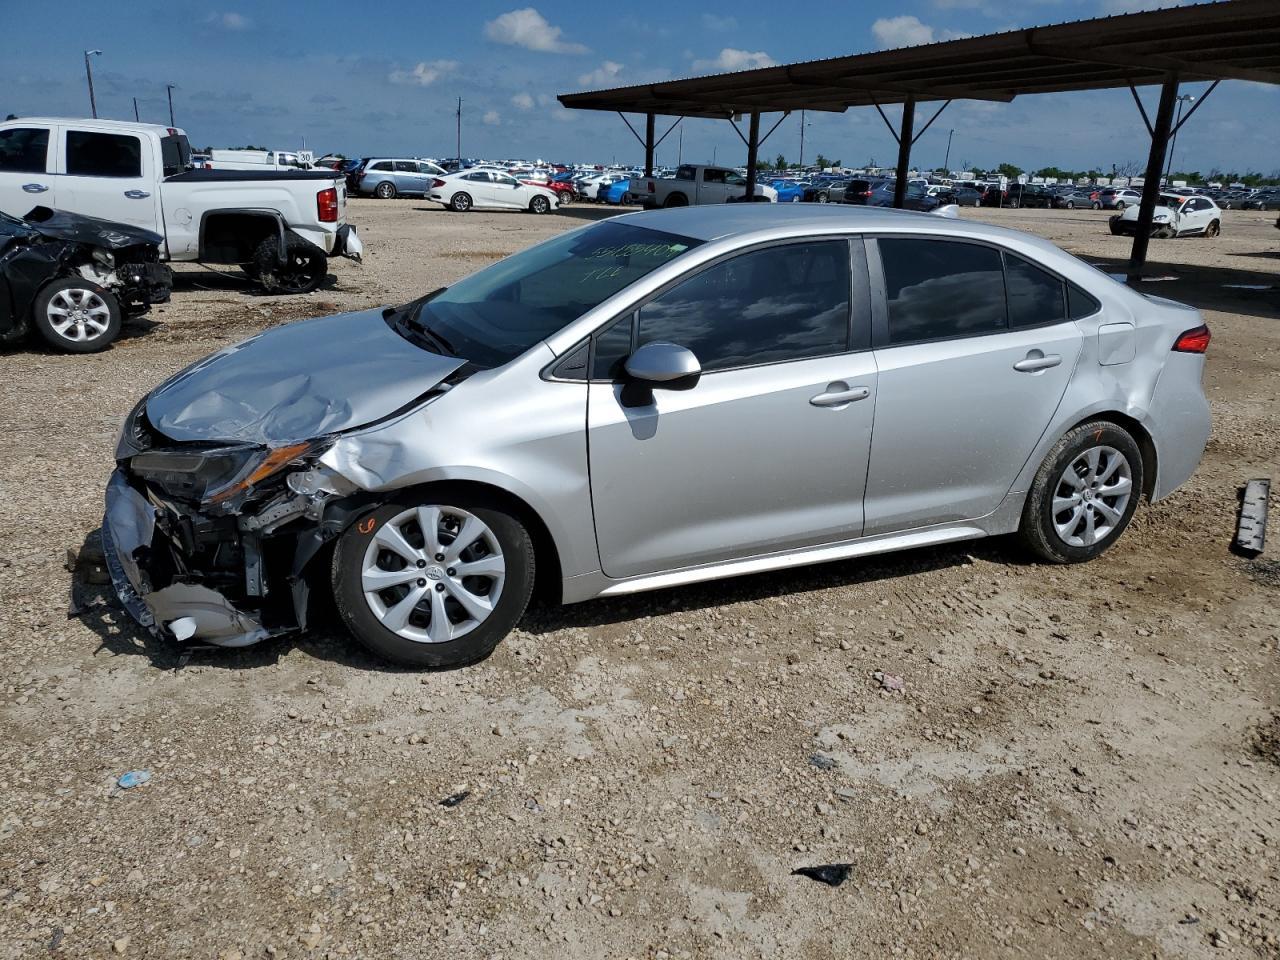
232, 234
1141, 436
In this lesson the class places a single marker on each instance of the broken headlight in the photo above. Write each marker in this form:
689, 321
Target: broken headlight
135, 433
217, 474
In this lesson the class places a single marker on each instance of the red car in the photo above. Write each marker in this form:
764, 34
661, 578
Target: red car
562, 189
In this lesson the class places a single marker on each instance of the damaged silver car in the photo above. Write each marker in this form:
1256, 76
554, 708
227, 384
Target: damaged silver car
654, 400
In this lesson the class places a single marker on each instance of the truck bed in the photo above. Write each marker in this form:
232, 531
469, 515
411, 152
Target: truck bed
210, 176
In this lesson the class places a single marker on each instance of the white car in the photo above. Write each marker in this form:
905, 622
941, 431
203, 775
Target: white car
1175, 216
488, 190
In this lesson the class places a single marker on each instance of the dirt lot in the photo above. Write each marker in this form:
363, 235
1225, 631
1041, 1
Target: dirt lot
1084, 762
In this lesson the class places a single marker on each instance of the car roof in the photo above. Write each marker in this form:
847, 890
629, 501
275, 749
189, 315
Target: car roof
769, 220
129, 125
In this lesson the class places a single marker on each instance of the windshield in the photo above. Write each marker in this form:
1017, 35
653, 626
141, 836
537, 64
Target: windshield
495, 315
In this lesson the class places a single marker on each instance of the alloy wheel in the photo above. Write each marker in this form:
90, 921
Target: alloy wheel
78, 315
433, 573
1091, 496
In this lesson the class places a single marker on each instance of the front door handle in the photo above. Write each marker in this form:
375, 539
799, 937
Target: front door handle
136, 194
1037, 360
34, 187
839, 395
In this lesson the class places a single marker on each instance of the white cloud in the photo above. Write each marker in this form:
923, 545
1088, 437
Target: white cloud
605, 74
720, 24
523, 101
492, 118
529, 29
908, 31
424, 74
731, 59
230, 20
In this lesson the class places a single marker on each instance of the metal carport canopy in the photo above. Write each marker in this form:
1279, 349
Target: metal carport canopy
1228, 40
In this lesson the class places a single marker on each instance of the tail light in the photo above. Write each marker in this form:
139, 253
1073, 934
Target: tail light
1195, 340
653, 187
327, 205
437, 183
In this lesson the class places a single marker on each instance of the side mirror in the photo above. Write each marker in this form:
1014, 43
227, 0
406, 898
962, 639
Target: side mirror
668, 366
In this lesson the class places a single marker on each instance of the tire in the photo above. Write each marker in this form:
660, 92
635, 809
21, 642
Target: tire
796, 198
824, 198
1120, 206
1213, 229
1097, 205
1085, 506
77, 316
460, 202
303, 271
628, 200
386, 190
1071, 205
539, 205
676, 200
361, 551
1011, 205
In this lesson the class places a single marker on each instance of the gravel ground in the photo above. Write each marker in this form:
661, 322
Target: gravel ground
1083, 761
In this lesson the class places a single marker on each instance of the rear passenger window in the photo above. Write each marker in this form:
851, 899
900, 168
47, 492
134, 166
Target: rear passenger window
1079, 303
781, 303
404, 166
23, 150
941, 288
1035, 297
382, 166
103, 154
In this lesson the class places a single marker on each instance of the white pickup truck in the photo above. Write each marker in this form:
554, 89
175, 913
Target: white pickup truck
279, 227
694, 184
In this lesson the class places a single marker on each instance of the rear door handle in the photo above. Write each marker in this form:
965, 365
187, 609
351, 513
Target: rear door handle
839, 395
136, 194
1036, 360
34, 187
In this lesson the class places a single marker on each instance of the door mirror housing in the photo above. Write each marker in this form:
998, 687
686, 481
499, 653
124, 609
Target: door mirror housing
662, 365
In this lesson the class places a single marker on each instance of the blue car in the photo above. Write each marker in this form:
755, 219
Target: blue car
617, 192
789, 191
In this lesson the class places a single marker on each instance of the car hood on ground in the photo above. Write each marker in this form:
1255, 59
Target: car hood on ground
298, 382
63, 225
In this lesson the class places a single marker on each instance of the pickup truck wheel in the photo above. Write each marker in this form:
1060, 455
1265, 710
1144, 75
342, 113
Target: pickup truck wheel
539, 205
461, 202
304, 268
77, 316
677, 200
385, 190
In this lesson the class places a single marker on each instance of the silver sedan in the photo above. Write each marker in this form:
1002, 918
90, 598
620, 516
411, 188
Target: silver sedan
648, 401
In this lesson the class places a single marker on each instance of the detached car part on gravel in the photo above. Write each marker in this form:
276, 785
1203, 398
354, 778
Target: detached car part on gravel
75, 279
652, 400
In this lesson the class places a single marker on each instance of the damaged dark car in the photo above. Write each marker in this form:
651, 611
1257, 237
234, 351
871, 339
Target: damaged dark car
75, 279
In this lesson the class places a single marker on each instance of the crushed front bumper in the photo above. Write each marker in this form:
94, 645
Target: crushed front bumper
179, 611
348, 243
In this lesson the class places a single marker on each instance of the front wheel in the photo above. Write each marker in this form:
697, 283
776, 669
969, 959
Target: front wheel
539, 205
1070, 205
1097, 205
823, 198
1213, 229
436, 583
1084, 494
1120, 205
77, 316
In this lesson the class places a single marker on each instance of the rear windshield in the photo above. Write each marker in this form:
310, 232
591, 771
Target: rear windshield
175, 152
495, 315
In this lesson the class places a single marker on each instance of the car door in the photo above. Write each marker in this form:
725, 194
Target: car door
108, 175
970, 374
768, 451
1196, 214
408, 179
510, 193
26, 169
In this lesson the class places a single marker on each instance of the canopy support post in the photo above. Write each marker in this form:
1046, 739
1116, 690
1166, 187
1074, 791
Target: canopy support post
648, 144
753, 148
904, 150
1155, 168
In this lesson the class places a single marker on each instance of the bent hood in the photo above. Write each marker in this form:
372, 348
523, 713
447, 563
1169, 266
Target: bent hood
298, 382
76, 227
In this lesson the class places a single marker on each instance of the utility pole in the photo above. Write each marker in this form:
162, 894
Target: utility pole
459, 115
169, 90
946, 164
1183, 98
680, 147
135, 110
88, 72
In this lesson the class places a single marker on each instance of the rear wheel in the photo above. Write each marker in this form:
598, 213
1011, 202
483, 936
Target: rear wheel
436, 583
77, 316
1071, 205
1097, 205
1084, 494
1120, 205
386, 190
677, 200
824, 198
461, 202
303, 270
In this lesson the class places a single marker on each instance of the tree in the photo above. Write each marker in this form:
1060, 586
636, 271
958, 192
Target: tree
822, 162
780, 163
1008, 170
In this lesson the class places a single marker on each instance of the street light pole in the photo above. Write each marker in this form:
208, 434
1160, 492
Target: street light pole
168, 87
459, 145
946, 163
88, 72
1184, 98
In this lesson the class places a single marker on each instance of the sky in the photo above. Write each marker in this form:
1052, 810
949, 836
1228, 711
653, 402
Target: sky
373, 77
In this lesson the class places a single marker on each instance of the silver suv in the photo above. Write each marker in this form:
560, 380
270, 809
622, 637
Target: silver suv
648, 401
